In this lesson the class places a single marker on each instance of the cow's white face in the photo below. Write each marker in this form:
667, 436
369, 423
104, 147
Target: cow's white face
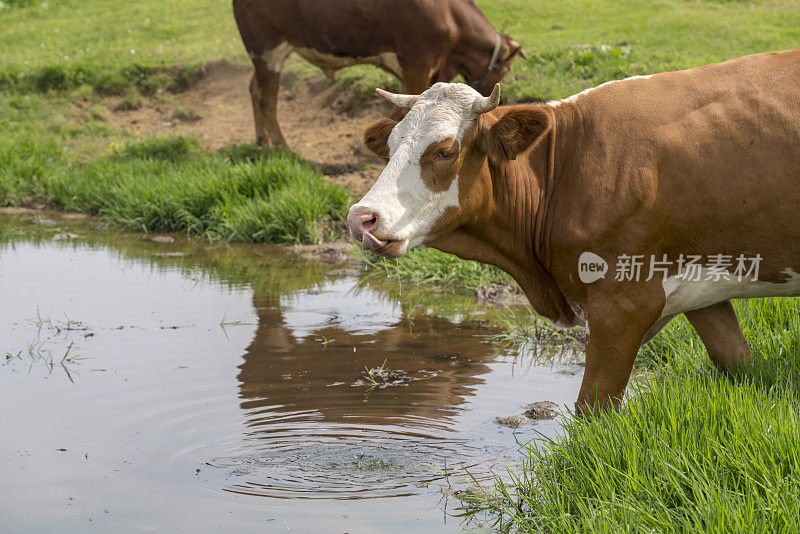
420, 180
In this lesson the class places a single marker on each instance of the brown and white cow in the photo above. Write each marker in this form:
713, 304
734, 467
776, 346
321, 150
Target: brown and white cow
701, 163
418, 41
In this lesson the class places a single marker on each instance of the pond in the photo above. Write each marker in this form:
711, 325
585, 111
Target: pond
190, 387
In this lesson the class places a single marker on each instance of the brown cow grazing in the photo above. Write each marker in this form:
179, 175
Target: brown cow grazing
618, 208
419, 41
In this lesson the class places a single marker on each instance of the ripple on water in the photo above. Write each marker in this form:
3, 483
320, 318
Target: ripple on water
347, 463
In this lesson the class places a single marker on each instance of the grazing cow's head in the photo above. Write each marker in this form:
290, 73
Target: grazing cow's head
436, 178
500, 62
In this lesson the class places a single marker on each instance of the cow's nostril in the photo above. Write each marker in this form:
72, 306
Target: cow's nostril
362, 221
370, 223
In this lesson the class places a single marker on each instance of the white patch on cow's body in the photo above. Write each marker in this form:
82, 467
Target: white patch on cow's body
686, 295
406, 207
576, 96
386, 60
274, 57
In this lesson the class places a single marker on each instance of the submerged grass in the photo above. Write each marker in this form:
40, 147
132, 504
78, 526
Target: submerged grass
691, 450
434, 271
529, 332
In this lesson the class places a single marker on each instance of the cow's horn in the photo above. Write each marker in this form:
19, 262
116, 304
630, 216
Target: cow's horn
483, 104
401, 101
513, 45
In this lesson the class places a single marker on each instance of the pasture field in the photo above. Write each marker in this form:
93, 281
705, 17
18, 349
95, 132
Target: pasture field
692, 449
573, 44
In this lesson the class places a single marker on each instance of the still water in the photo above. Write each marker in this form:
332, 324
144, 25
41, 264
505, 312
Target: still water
191, 387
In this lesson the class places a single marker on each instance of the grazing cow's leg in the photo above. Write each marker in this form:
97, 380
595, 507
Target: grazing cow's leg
614, 339
721, 334
255, 96
265, 103
264, 93
269, 104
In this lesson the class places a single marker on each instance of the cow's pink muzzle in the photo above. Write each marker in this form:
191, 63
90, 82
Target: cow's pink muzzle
362, 221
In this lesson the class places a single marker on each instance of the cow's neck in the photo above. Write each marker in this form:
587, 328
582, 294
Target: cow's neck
477, 38
513, 234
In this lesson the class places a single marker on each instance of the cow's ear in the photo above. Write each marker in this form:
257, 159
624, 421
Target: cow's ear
514, 132
376, 137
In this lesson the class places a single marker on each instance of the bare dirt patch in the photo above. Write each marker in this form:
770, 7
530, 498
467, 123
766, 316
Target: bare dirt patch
321, 121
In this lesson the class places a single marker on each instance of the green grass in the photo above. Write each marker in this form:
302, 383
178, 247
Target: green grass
56, 155
159, 184
151, 186
108, 46
432, 266
576, 44
692, 449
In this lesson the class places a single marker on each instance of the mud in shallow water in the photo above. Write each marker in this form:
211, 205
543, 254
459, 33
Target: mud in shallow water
182, 387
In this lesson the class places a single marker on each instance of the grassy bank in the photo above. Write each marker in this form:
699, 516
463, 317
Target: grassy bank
56, 153
692, 450
53, 154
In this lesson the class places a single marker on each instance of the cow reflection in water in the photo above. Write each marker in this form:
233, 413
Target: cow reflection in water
315, 372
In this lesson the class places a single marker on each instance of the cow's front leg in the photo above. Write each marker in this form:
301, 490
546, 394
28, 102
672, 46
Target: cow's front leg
262, 138
718, 328
270, 81
615, 335
264, 92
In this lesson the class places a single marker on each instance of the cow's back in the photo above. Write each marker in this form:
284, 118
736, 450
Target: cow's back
704, 161
348, 28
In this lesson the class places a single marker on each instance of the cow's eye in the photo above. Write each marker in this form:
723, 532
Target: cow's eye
444, 154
